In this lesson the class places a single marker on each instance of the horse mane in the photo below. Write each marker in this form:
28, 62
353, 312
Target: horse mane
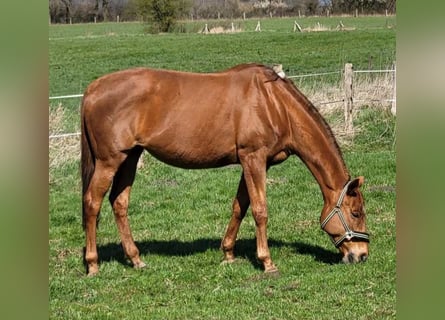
313, 111
243, 66
272, 76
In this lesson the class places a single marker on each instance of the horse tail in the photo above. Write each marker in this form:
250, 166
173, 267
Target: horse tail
87, 161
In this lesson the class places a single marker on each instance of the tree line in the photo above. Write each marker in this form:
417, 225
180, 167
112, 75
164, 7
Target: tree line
77, 11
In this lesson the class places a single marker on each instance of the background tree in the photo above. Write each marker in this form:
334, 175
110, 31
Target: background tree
363, 6
161, 15
311, 6
101, 9
60, 10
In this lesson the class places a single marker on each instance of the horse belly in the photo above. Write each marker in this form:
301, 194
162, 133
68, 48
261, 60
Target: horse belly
194, 158
192, 149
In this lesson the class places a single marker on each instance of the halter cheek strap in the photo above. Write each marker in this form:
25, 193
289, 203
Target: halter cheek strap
349, 234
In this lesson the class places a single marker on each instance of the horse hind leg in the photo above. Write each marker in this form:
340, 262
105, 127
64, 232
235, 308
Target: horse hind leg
239, 209
119, 199
92, 202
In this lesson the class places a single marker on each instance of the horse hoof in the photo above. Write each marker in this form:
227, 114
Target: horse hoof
227, 261
92, 273
140, 265
271, 270
272, 273
92, 270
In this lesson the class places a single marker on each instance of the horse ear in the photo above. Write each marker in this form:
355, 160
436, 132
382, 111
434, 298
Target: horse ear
354, 185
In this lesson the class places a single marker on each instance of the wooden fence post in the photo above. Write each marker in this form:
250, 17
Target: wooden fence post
348, 81
394, 95
258, 27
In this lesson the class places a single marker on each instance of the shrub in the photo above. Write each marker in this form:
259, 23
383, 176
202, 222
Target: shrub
161, 15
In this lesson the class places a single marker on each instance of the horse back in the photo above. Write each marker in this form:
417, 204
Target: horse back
186, 119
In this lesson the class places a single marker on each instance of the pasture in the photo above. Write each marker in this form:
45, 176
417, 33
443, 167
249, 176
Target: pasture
178, 217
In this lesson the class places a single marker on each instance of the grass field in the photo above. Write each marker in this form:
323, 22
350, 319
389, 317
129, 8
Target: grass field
179, 216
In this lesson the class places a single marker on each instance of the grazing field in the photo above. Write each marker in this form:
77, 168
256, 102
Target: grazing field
179, 216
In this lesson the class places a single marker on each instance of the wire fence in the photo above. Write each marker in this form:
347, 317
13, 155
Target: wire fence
314, 74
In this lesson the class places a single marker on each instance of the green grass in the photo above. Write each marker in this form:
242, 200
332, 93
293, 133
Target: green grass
81, 53
178, 217
78, 54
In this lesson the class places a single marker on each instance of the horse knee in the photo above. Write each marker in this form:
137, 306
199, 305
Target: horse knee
260, 214
91, 206
120, 206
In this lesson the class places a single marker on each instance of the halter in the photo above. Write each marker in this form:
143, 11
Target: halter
349, 234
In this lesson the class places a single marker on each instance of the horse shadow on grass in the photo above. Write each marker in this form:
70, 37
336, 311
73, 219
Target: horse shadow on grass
244, 248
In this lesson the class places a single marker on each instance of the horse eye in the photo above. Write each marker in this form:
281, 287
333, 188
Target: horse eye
356, 214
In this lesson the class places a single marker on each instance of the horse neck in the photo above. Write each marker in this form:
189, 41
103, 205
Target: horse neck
314, 143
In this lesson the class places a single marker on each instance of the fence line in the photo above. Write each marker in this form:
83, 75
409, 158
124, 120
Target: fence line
67, 97
374, 71
329, 102
290, 77
348, 96
374, 100
64, 135
313, 74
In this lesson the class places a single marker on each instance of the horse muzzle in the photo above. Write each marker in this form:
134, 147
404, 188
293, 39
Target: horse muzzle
354, 251
354, 258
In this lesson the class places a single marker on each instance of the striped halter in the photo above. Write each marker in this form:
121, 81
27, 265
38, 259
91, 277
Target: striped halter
349, 234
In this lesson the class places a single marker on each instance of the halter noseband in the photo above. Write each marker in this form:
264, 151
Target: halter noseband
349, 234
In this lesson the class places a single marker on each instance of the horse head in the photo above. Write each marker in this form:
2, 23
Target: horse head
345, 223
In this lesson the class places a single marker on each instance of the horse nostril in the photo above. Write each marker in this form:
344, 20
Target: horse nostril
363, 257
351, 258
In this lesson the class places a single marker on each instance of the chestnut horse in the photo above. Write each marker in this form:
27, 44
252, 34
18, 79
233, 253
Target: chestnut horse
250, 115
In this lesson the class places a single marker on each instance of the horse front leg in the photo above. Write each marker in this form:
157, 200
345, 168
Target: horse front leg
239, 209
119, 199
255, 168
